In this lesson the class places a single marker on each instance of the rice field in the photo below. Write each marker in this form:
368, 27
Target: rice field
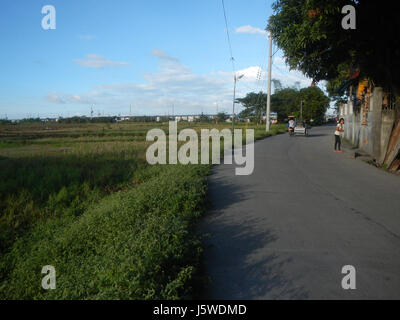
82, 197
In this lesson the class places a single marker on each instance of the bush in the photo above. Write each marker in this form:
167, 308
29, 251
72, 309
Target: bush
136, 244
33, 189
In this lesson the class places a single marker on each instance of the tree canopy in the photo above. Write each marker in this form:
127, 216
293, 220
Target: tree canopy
311, 35
315, 104
222, 116
254, 104
287, 102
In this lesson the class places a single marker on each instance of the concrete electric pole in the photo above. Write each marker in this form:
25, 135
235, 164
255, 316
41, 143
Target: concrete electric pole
268, 111
234, 98
301, 110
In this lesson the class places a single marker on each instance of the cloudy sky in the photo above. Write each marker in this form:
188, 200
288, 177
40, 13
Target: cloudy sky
149, 57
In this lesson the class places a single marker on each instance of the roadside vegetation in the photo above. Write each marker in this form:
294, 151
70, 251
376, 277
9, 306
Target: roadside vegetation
286, 101
313, 40
82, 197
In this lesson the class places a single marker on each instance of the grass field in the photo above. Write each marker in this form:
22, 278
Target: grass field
81, 197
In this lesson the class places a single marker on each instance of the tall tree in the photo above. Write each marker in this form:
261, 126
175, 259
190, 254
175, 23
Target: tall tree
315, 104
311, 35
285, 102
254, 104
277, 85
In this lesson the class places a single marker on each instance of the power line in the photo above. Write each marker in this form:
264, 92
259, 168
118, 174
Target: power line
229, 39
279, 69
276, 50
262, 63
260, 83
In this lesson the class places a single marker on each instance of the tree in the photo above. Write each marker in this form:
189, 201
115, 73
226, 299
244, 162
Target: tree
333, 85
311, 35
277, 85
221, 117
254, 104
204, 118
285, 102
315, 104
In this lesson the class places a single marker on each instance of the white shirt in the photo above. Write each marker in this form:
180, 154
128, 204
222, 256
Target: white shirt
339, 126
291, 124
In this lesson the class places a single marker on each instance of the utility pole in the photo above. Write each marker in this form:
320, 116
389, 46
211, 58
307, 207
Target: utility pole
234, 98
233, 105
301, 110
268, 111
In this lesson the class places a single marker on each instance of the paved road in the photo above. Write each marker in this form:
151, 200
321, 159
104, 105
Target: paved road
286, 231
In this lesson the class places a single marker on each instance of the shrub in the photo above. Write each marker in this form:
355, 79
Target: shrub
136, 244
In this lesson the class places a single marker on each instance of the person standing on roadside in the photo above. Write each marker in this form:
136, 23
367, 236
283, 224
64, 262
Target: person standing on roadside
338, 135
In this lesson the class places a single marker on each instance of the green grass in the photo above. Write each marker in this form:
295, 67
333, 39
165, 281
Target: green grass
83, 199
135, 244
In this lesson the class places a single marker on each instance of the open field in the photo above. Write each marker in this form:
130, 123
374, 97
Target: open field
82, 197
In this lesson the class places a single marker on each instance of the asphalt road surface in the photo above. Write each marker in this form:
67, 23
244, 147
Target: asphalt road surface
286, 231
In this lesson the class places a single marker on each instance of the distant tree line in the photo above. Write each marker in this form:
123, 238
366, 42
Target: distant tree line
286, 102
77, 119
87, 120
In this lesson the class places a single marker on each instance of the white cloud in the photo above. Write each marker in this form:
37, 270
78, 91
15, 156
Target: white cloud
251, 73
250, 30
54, 97
162, 55
62, 98
86, 37
288, 77
96, 61
176, 84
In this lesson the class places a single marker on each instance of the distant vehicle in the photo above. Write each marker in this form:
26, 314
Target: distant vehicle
301, 128
290, 125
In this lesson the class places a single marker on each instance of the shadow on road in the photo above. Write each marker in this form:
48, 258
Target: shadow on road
319, 135
236, 256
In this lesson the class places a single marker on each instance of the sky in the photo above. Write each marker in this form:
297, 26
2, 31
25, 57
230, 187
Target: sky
129, 57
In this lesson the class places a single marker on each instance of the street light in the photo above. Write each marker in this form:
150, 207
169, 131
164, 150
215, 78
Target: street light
234, 98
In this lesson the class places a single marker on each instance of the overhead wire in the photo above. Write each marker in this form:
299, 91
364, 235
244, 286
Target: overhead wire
259, 83
228, 37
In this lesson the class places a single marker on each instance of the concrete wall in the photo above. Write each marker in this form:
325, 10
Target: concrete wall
388, 119
372, 133
376, 109
359, 135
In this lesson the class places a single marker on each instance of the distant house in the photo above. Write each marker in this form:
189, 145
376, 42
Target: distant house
119, 119
273, 117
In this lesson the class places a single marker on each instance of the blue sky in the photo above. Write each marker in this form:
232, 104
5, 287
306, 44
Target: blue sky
150, 55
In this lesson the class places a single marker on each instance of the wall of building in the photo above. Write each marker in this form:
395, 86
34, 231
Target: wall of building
360, 135
370, 128
388, 120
